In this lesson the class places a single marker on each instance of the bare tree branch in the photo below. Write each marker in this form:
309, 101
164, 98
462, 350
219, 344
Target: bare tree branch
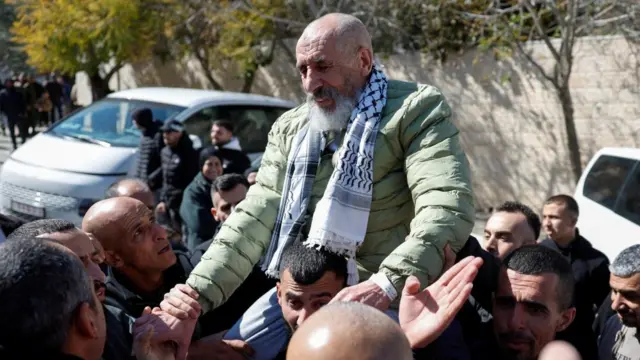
541, 32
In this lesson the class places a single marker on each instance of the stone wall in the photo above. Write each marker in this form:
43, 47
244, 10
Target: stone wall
510, 120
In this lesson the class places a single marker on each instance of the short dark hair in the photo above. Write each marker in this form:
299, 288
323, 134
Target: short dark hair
538, 260
40, 227
516, 207
228, 182
41, 286
112, 191
308, 264
224, 124
566, 200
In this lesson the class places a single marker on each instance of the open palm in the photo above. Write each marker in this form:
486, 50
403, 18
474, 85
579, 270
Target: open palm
424, 315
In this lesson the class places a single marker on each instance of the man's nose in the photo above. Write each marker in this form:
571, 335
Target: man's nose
311, 82
491, 243
616, 302
94, 272
159, 233
517, 319
303, 315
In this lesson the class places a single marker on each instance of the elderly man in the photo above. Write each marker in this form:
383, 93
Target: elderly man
386, 148
620, 338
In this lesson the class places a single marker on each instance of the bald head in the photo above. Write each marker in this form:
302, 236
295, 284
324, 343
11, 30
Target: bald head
353, 331
106, 219
133, 188
349, 32
131, 238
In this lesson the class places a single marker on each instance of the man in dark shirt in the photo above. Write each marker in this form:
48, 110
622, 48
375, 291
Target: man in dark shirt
590, 270
142, 265
14, 107
179, 166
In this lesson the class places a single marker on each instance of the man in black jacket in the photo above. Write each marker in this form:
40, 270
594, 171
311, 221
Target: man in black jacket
14, 107
179, 167
590, 269
148, 166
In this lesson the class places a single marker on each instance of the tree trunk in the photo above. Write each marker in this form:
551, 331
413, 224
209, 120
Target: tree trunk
99, 87
248, 81
564, 94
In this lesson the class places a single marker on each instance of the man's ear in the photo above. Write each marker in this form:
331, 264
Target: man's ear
365, 58
85, 321
566, 318
278, 292
112, 259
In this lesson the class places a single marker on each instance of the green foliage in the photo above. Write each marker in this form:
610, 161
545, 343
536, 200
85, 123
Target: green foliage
82, 35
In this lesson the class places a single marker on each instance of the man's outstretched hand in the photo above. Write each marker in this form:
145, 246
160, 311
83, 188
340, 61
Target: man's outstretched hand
424, 315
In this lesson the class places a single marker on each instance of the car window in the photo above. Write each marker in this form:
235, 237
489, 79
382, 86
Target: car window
251, 124
628, 203
108, 122
606, 179
199, 124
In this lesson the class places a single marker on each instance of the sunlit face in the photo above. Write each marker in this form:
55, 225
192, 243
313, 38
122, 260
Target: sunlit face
331, 78
298, 302
225, 202
625, 298
220, 135
506, 232
212, 168
81, 244
144, 245
558, 222
526, 313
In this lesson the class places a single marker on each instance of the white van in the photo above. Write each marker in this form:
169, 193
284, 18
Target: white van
63, 171
608, 195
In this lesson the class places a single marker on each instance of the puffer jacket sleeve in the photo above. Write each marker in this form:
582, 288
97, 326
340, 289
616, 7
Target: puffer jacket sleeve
245, 235
439, 178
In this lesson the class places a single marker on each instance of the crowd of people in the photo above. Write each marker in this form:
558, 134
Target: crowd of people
25, 104
352, 241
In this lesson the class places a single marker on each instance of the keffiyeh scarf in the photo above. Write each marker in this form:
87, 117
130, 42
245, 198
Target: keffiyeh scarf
339, 223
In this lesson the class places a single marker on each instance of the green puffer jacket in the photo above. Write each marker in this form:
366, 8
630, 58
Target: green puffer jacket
422, 198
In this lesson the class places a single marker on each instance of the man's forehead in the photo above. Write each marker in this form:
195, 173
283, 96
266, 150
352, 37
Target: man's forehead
328, 282
315, 49
540, 288
75, 240
631, 283
505, 221
554, 208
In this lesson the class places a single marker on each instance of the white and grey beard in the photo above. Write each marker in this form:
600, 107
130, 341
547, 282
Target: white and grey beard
335, 120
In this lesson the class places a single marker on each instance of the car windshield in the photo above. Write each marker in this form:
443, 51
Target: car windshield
108, 122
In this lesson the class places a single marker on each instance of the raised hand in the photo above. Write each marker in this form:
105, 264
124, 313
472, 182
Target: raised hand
424, 315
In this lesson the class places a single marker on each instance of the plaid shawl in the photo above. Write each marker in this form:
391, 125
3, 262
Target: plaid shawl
340, 219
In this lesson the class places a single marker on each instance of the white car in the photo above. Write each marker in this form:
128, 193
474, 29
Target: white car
608, 195
63, 171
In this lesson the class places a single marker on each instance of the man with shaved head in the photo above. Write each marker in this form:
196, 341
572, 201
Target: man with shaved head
367, 167
142, 265
347, 330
